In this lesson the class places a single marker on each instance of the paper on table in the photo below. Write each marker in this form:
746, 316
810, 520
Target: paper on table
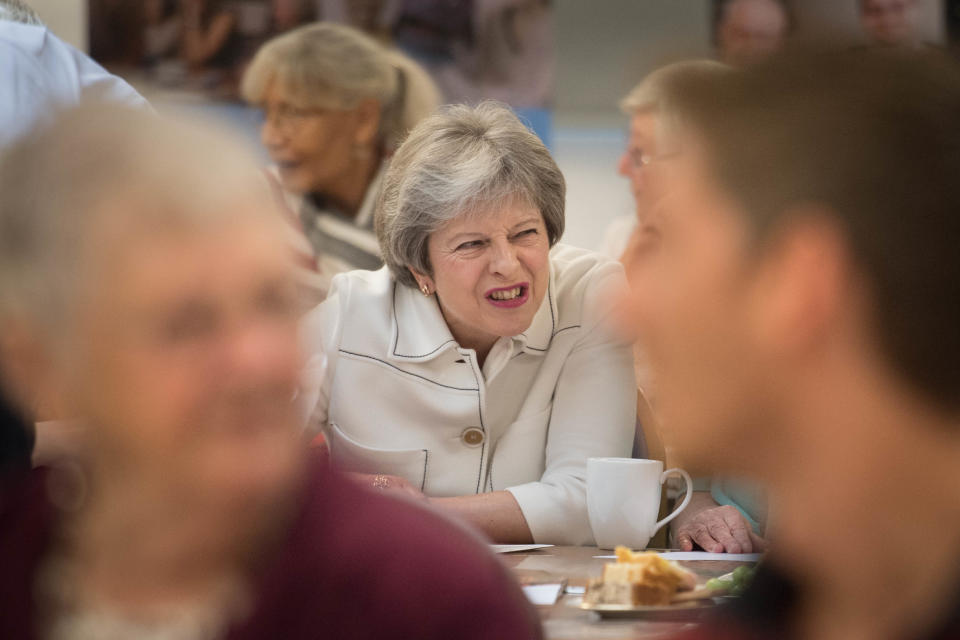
513, 548
543, 594
703, 555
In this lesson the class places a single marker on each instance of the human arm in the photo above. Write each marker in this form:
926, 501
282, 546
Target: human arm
497, 514
201, 43
715, 528
593, 415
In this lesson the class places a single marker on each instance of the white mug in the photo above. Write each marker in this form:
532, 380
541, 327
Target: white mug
623, 500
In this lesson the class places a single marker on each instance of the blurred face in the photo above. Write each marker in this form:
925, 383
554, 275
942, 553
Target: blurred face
314, 149
186, 358
641, 144
751, 30
692, 304
888, 21
490, 272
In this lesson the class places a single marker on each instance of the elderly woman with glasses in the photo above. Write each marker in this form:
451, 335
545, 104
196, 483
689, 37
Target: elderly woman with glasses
143, 275
336, 103
477, 368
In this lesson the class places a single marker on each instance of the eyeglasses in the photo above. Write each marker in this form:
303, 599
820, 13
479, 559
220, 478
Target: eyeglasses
640, 160
288, 118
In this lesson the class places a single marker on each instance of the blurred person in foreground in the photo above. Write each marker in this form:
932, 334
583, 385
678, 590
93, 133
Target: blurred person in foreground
336, 103
142, 272
802, 314
890, 23
747, 31
478, 369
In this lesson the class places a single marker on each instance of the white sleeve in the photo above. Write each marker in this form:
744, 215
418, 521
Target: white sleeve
25, 97
594, 415
320, 334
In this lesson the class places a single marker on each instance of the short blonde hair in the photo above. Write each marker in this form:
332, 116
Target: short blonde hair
655, 91
662, 91
329, 65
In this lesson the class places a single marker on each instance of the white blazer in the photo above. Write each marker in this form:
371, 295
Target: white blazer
395, 394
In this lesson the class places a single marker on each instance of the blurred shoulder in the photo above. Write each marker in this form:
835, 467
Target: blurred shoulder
571, 265
378, 566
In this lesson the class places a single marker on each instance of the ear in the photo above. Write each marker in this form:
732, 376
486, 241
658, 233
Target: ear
367, 116
804, 289
423, 279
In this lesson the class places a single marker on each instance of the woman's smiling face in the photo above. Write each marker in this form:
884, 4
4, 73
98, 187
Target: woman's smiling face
490, 272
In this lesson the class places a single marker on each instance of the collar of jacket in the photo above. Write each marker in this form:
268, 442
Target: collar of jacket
420, 333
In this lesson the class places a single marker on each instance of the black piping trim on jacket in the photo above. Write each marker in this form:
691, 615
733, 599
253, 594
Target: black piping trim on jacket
409, 373
555, 333
426, 458
553, 322
483, 427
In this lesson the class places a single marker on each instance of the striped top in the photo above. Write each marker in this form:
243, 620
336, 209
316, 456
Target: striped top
325, 241
340, 242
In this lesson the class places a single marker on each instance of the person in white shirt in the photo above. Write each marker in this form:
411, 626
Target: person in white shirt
477, 368
39, 73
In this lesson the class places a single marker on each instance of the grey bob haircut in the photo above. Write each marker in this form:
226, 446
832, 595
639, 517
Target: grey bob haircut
462, 161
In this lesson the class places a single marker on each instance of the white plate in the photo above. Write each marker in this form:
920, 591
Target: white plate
515, 548
680, 611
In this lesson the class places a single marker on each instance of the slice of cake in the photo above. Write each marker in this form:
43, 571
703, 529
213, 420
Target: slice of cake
638, 579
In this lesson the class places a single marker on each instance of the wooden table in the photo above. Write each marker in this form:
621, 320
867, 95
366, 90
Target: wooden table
564, 621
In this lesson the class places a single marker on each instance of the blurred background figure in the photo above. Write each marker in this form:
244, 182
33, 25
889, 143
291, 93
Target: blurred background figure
724, 514
40, 73
143, 274
746, 31
890, 22
478, 50
801, 316
161, 32
336, 103
652, 141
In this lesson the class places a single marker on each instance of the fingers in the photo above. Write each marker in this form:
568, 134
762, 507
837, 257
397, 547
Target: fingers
740, 530
700, 534
720, 531
684, 541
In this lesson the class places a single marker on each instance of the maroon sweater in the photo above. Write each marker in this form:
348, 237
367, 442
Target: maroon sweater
355, 564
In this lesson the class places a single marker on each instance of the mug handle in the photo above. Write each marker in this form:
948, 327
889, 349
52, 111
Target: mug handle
686, 498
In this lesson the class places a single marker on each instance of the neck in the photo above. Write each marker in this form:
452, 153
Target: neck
140, 526
348, 192
868, 519
467, 338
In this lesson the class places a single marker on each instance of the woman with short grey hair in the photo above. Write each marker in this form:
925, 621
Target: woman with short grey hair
477, 369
